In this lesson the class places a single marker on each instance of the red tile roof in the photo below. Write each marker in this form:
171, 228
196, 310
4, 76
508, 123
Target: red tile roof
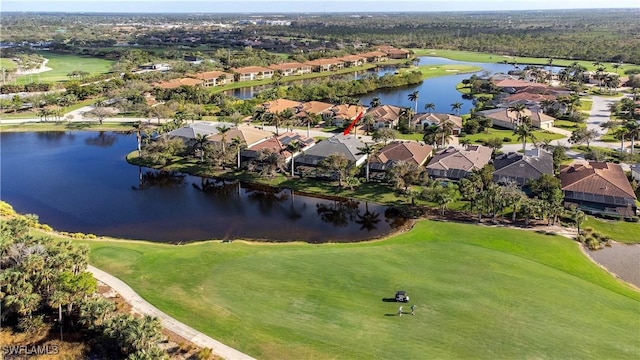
600, 178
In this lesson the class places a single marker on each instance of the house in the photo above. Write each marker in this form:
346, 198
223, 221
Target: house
151, 67
280, 105
249, 135
407, 151
312, 107
422, 120
176, 83
340, 144
509, 119
214, 78
321, 65
394, 53
280, 144
353, 60
342, 114
201, 128
520, 168
598, 188
513, 85
385, 116
635, 172
455, 164
252, 73
291, 68
375, 56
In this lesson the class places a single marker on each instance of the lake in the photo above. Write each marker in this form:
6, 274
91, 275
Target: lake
80, 182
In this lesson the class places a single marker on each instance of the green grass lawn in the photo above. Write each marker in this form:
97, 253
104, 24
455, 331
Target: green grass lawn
501, 133
568, 125
480, 292
586, 104
622, 231
494, 58
429, 71
64, 126
62, 64
34, 114
7, 63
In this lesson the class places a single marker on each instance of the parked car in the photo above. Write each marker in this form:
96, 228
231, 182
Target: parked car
402, 296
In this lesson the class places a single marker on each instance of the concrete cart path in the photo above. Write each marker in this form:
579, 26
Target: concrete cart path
187, 332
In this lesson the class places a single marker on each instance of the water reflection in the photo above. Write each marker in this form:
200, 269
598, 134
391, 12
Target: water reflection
166, 206
103, 139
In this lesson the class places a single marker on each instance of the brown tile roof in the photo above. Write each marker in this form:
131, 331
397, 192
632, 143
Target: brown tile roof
273, 145
287, 66
314, 107
468, 159
344, 111
211, 75
352, 58
176, 83
600, 178
324, 62
411, 151
373, 54
385, 113
528, 96
251, 70
279, 105
510, 116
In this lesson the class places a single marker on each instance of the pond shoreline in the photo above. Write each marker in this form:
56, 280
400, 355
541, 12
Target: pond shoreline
620, 260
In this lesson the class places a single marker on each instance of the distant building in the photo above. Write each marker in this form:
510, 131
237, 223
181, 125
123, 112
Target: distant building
253, 73
385, 116
214, 78
509, 119
421, 121
176, 83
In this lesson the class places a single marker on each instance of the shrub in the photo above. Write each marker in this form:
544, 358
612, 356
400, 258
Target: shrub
45, 227
6, 209
90, 236
506, 139
632, 219
204, 354
31, 325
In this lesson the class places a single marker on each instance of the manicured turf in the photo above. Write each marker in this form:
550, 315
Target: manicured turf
62, 65
7, 64
429, 71
494, 58
481, 293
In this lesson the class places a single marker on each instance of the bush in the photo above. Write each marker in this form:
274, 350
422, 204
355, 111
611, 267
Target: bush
6, 209
632, 219
204, 354
90, 236
45, 227
506, 139
31, 325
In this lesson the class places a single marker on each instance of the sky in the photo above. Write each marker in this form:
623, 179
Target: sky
297, 6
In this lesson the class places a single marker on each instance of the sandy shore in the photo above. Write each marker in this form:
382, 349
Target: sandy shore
41, 69
623, 260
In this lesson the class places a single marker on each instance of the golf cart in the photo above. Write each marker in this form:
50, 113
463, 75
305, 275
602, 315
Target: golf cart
401, 296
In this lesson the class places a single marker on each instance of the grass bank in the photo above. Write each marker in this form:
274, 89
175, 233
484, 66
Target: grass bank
480, 292
66, 126
621, 231
496, 58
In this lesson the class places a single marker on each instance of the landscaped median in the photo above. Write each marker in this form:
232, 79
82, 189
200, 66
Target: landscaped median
481, 292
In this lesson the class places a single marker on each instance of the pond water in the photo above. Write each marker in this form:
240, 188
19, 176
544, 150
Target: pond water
81, 182
439, 90
620, 259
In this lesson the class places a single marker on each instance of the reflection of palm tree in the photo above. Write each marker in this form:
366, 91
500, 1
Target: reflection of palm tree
338, 213
368, 220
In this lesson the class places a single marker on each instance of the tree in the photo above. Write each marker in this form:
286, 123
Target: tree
375, 102
518, 108
336, 165
583, 135
430, 107
222, 130
524, 132
633, 131
413, 96
384, 135
403, 174
456, 106
430, 134
294, 146
442, 195
445, 128
368, 151
578, 217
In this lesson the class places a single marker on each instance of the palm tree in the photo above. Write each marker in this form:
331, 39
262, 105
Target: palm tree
620, 133
446, 129
616, 66
633, 128
524, 132
369, 151
238, 144
578, 217
375, 102
294, 146
456, 106
223, 135
430, 107
414, 97
518, 108
367, 120
199, 145
465, 142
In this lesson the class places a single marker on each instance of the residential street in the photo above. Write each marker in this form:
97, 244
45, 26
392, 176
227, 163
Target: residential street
143, 307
